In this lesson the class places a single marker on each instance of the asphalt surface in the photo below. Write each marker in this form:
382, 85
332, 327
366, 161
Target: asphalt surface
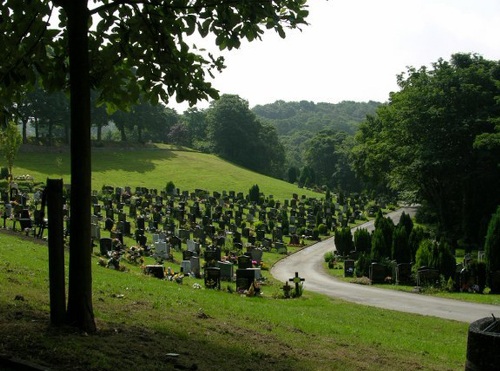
309, 264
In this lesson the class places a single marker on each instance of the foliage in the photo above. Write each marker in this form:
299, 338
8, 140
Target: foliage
379, 247
416, 236
386, 226
170, 187
362, 240
362, 265
492, 243
492, 249
446, 260
343, 241
322, 229
298, 122
426, 254
426, 142
10, 141
238, 136
254, 194
400, 248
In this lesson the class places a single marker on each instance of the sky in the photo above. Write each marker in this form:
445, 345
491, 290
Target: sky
354, 49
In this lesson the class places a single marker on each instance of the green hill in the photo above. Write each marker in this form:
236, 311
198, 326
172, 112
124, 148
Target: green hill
153, 166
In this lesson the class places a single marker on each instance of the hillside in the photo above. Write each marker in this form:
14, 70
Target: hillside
291, 117
153, 166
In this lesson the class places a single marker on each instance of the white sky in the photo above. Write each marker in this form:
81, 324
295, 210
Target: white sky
353, 49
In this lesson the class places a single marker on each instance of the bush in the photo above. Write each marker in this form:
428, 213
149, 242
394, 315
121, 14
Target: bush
492, 251
329, 256
362, 240
323, 230
170, 187
362, 266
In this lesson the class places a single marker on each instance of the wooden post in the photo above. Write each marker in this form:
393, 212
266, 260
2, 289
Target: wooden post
56, 251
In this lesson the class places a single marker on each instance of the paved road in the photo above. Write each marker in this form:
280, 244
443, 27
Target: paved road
309, 263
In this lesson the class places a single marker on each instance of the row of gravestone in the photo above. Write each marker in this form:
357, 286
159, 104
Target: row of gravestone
298, 207
379, 273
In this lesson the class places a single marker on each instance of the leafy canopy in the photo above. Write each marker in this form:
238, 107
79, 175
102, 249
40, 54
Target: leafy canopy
136, 46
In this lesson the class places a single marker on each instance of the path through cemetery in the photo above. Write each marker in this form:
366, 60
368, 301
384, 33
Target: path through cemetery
309, 265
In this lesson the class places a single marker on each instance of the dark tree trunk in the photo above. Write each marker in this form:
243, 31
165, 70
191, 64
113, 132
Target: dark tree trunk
37, 132
80, 311
25, 131
54, 196
49, 135
66, 132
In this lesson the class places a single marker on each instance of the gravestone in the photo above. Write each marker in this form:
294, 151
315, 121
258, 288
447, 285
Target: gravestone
186, 254
244, 262
186, 266
195, 266
184, 234
348, 268
244, 279
193, 246
257, 255
403, 273
297, 280
280, 248
212, 277
377, 273
211, 258
95, 231
226, 270
427, 276
161, 250
155, 271
105, 245
256, 273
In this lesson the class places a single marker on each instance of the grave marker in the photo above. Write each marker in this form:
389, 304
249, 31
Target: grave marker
297, 280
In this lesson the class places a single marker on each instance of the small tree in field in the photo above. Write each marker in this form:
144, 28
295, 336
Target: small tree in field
10, 141
492, 250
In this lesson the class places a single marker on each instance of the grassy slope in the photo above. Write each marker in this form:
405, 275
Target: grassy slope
153, 168
142, 319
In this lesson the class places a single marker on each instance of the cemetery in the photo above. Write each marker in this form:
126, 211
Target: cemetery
226, 240
222, 239
213, 241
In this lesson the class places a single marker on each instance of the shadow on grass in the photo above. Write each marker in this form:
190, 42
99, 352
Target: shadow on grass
123, 159
205, 344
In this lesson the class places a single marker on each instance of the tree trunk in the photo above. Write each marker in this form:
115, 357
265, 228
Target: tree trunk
25, 131
53, 197
99, 132
37, 133
80, 311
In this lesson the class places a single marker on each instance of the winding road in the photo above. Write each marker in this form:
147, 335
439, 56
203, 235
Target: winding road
309, 264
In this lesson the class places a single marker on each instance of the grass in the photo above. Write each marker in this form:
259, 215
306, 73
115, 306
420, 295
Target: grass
153, 167
142, 320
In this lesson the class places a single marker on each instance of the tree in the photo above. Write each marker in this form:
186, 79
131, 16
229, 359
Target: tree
492, 249
10, 141
232, 129
143, 45
435, 141
236, 135
362, 240
343, 241
400, 248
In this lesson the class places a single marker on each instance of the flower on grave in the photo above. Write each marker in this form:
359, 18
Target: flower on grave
196, 286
